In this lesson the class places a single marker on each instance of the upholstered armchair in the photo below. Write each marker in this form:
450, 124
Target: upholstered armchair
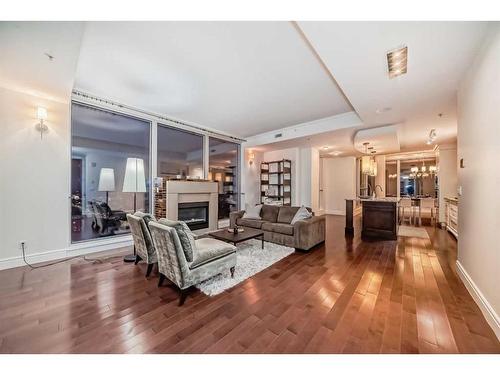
144, 246
210, 258
106, 219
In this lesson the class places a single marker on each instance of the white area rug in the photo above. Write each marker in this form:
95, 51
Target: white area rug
250, 259
407, 231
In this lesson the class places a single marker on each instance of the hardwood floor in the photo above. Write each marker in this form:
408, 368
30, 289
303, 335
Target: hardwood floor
348, 296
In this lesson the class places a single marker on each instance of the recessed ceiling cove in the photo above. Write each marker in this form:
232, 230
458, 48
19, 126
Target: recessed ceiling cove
383, 139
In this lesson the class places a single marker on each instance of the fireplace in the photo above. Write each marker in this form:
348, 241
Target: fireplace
194, 214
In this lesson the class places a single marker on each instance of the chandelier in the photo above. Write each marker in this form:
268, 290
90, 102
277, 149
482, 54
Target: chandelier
368, 163
423, 171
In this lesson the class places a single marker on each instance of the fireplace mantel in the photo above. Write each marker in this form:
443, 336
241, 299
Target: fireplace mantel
173, 192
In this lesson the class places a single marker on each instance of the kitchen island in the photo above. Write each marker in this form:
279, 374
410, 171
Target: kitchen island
379, 218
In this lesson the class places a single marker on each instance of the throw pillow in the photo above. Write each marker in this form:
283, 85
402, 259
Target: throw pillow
252, 212
301, 214
185, 236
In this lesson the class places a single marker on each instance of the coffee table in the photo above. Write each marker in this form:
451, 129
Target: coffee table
247, 234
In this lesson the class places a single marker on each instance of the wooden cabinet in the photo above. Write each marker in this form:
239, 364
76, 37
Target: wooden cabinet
379, 219
451, 215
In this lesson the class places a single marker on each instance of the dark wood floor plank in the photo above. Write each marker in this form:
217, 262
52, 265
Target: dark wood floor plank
346, 296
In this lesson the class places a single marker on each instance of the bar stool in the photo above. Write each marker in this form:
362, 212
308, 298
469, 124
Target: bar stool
405, 206
427, 205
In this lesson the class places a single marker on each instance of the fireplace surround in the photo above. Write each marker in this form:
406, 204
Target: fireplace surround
172, 195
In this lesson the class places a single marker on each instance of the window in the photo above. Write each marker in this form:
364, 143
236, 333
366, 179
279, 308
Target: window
180, 153
224, 168
109, 171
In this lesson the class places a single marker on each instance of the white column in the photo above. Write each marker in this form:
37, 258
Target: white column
206, 156
380, 178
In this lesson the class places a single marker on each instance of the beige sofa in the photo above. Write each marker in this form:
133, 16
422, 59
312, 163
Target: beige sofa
275, 223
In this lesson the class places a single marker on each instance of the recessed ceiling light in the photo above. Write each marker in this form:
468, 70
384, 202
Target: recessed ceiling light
335, 153
326, 147
383, 110
397, 62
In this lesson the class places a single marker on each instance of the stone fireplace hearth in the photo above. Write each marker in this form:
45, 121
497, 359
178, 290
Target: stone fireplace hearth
193, 198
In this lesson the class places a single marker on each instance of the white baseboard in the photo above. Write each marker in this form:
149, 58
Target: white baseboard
83, 248
489, 313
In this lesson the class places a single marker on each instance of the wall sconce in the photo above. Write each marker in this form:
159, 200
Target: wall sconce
251, 157
41, 114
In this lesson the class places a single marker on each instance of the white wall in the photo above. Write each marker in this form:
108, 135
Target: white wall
250, 178
339, 183
447, 176
305, 175
34, 180
479, 204
309, 178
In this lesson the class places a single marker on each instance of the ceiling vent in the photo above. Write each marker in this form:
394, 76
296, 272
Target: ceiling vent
397, 62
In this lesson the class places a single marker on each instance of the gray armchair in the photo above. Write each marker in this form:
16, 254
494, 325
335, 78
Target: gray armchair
210, 258
143, 242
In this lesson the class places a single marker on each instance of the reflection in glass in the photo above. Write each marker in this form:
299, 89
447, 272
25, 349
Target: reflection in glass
180, 154
418, 178
391, 178
223, 168
101, 192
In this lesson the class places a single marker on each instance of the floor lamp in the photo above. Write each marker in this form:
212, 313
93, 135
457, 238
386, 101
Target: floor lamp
107, 181
134, 182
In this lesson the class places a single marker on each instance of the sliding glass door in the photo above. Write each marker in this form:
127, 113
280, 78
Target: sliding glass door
179, 154
110, 171
224, 169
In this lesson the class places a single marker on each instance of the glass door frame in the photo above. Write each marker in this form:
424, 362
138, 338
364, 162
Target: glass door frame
154, 120
150, 161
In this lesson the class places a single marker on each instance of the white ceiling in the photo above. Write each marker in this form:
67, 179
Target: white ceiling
246, 78
382, 139
243, 78
438, 54
25, 67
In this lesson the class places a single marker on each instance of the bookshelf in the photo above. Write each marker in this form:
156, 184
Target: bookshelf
276, 182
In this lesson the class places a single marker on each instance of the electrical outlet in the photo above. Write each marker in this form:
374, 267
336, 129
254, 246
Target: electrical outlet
22, 244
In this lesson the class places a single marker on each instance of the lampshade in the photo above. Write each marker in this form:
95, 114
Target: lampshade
373, 168
106, 180
366, 164
135, 179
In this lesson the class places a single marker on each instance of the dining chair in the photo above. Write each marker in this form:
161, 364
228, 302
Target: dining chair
427, 205
405, 206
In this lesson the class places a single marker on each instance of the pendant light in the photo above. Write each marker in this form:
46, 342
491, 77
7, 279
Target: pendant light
366, 160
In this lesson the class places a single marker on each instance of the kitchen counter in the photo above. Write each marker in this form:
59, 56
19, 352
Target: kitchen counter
379, 219
382, 199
